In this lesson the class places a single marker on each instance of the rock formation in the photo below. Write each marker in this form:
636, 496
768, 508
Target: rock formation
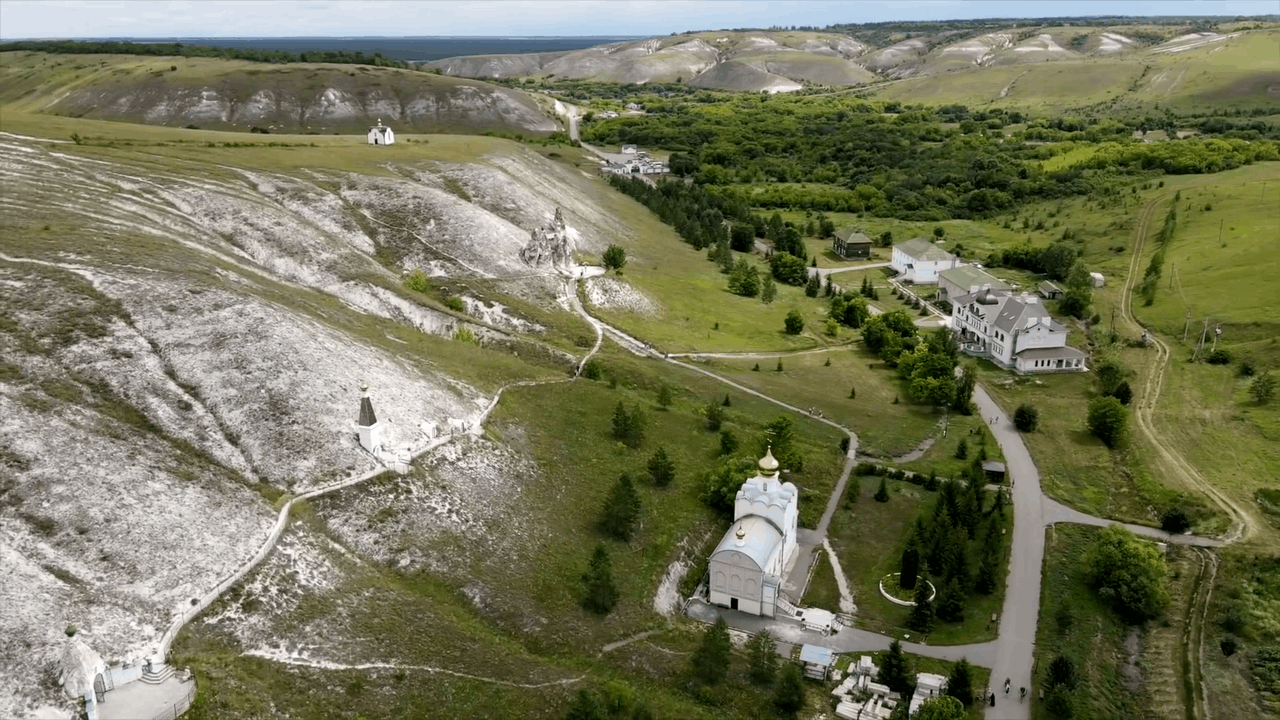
549, 246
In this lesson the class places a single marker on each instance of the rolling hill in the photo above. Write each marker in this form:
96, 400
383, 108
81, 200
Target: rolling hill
787, 61
234, 94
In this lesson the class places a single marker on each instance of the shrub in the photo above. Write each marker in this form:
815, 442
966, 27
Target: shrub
1263, 388
1228, 645
1175, 520
591, 370
1106, 420
454, 303
794, 323
417, 281
1219, 357
1026, 418
1247, 368
1128, 573
1123, 393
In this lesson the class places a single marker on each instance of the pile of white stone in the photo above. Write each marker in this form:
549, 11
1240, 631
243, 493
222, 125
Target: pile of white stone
862, 698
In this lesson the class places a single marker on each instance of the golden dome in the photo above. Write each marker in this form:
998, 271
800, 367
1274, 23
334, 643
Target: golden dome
768, 465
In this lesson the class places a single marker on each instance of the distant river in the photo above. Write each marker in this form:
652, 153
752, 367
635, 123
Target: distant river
401, 48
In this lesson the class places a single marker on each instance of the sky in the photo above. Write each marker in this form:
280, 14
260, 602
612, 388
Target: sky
353, 18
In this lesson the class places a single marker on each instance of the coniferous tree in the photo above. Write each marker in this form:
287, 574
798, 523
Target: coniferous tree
812, 287
661, 469
921, 619
962, 450
882, 493
621, 509
728, 442
628, 425
910, 564
726, 402
960, 682
714, 415
768, 290
762, 656
779, 365
710, 662
788, 695
895, 672
600, 595
951, 601
664, 397
987, 579
853, 392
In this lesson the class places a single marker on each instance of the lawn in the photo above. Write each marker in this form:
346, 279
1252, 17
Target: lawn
869, 537
1123, 670
884, 428
698, 311
940, 456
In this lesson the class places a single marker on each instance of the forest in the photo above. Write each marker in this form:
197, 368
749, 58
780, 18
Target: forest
913, 162
106, 47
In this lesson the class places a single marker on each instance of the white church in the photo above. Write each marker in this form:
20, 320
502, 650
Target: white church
747, 567
381, 134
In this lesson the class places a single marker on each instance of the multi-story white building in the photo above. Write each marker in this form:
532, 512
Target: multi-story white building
1013, 331
919, 261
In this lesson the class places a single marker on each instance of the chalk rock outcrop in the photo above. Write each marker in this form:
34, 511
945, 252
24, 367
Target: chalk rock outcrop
549, 246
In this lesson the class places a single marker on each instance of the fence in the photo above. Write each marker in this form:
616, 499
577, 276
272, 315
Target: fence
179, 706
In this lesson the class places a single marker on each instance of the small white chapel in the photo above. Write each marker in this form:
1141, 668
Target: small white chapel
381, 134
747, 567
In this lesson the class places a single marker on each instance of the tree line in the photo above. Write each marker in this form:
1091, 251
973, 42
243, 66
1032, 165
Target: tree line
111, 47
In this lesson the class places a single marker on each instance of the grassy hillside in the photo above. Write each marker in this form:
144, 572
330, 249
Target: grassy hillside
1234, 72
221, 94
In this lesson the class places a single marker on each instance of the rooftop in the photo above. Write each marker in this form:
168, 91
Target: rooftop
921, 249
760, 539
968, 276
850, 234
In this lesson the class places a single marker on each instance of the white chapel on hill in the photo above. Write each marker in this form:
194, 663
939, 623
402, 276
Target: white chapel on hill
747, 567
381, 134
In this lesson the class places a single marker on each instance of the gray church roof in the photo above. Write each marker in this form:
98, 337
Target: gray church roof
760, 539
367, 418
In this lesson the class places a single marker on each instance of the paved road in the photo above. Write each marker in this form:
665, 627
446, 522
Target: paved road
847, 640
1015, 644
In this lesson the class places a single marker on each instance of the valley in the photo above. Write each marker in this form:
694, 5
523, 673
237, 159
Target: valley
191, 309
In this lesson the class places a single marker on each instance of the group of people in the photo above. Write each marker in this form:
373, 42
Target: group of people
991, 694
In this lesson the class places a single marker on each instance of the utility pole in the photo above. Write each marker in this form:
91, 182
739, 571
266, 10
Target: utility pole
1217, 333
1200, 346
1220, 232
1172, 269
1186, 326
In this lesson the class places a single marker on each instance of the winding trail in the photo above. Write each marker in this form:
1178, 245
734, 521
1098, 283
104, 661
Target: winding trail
325, 665
1245, 525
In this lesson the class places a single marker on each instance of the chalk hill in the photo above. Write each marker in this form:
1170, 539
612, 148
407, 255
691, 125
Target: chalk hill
783, 61
233, 94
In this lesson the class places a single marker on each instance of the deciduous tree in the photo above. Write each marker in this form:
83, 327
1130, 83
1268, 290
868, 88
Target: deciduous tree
1129, 573
1106, 420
